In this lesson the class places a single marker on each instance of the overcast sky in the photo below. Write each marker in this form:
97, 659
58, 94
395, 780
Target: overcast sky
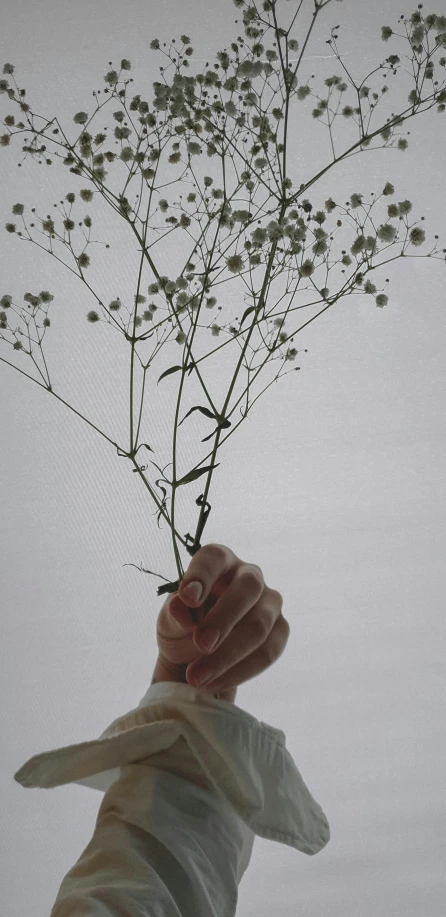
334, 484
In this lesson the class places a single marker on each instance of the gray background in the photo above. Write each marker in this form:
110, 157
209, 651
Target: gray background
334, 486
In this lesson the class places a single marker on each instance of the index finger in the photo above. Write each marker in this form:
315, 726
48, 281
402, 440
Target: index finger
208, 565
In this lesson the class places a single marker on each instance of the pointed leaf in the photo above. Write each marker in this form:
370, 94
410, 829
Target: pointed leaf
221, 426
173, 369
193, 475
203, 411
246, 312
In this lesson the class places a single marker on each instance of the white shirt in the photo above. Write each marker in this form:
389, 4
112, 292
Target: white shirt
188, 781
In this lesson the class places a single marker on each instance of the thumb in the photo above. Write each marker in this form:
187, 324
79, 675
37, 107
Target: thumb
185, 618
192, 592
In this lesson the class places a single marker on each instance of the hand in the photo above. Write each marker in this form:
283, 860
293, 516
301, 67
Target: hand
235, 600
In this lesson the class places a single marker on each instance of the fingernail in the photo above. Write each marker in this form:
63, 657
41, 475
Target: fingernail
193, 591
209, 637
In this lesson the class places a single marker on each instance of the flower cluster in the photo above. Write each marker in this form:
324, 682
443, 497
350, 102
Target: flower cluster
243, 222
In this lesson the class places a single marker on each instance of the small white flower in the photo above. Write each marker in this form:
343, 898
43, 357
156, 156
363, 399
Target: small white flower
230, 109
356, 200
386, 233
234, 264
241, 216
417, 235
81, 117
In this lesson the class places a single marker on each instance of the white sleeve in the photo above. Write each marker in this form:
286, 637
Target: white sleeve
188, 782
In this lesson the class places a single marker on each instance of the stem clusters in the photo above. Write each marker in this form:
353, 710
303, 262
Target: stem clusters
246, 222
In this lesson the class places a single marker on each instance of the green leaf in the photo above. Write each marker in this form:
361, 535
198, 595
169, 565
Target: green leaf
173, 369
203, 411
251, 309
193, 475
221, 426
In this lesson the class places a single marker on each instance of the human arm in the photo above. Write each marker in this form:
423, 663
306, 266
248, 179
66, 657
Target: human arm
189, 781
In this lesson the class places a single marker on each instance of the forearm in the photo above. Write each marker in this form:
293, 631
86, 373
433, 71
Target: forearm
155, 848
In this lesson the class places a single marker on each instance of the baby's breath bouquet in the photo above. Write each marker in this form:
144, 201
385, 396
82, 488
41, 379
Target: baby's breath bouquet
246, 222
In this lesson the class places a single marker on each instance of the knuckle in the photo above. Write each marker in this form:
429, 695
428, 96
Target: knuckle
257, 568
212, 552
274, 646
261, 627
281, 635
213, 548
250, 579
276, 596
269, 652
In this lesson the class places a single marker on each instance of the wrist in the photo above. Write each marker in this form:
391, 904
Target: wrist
163, 671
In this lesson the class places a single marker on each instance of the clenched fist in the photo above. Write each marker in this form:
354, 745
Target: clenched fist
237, 608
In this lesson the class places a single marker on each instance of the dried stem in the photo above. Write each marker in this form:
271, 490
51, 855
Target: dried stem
277, 217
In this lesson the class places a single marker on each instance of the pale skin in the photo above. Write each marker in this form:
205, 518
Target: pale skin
240, 605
